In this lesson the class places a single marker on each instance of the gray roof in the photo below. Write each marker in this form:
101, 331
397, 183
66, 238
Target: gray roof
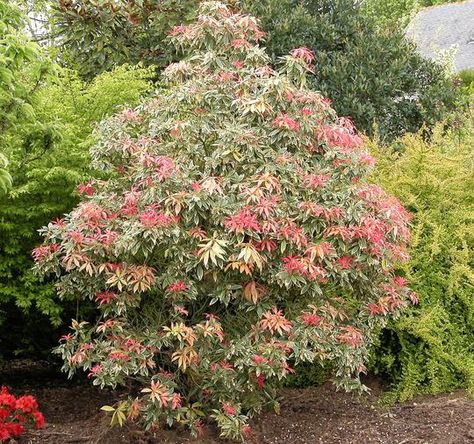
446, 27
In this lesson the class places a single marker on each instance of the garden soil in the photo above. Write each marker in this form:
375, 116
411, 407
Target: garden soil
311, 415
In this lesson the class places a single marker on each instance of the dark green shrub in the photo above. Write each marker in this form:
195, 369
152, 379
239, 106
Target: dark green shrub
372, 75
98, 36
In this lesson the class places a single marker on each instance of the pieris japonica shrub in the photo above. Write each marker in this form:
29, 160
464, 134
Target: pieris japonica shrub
235, 238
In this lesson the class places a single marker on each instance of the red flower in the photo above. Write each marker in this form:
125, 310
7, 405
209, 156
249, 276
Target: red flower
244, 220
15, 429
177, 287
228, 409
287, 122
304, 54
311, 319
26, 403
16, 412
6, 399
4, 433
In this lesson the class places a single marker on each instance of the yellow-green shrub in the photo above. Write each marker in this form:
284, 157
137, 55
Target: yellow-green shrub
431, 347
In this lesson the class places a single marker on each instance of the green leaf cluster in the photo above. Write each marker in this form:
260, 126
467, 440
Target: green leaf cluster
47, 117
430, 349
397, 13
98, 35
374, 75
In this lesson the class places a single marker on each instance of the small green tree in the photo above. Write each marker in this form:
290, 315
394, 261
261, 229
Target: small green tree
235, 237
47, 121
98, 36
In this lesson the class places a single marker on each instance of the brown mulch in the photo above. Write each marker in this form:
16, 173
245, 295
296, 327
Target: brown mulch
311, 415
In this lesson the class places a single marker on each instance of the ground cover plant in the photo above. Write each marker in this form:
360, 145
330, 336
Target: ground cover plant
235, 237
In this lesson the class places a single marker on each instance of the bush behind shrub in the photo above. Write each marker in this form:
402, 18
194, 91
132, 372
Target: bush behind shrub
49, 156
430, 349
373, 76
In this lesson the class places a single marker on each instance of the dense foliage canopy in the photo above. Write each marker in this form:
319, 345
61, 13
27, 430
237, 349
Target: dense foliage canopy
47, 115
373, 75
236, 236
430, 349
96, 36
